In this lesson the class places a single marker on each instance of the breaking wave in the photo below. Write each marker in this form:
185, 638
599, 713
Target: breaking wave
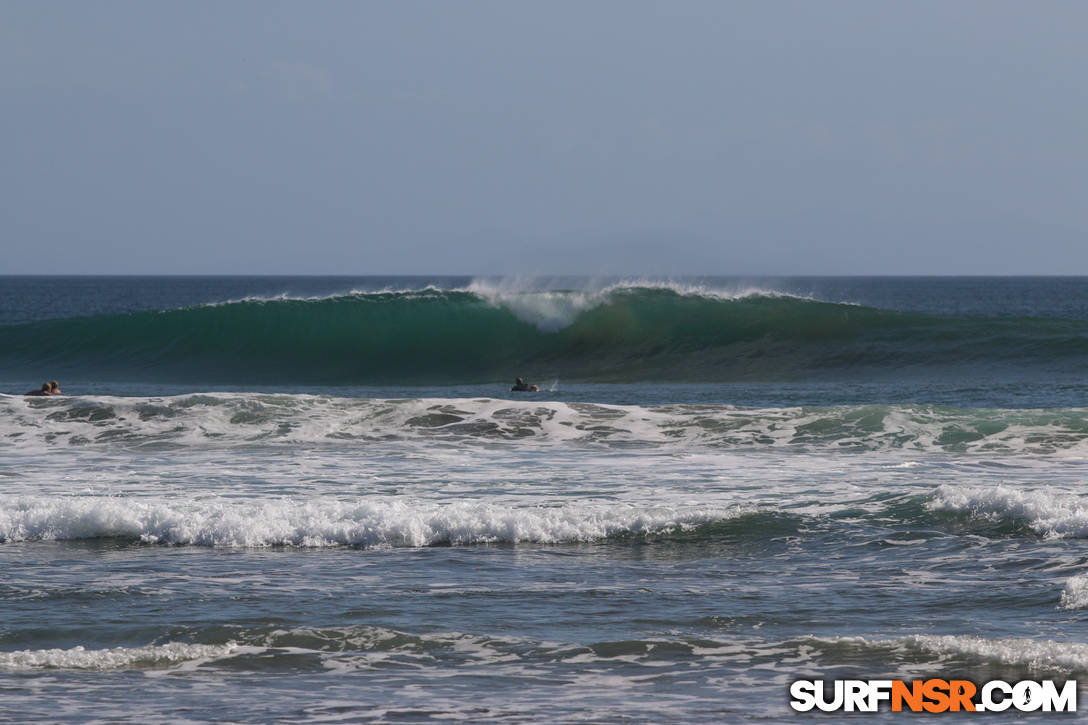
362, 523
1051, 514
1035, 656
80, 658
484, 333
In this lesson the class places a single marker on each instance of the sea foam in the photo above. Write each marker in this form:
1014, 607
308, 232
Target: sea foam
1075, 594
322, 523
1051, 514
114, 658
1035, 655
1038, 655
244, 419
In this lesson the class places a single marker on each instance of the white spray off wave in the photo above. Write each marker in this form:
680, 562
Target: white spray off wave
550, 310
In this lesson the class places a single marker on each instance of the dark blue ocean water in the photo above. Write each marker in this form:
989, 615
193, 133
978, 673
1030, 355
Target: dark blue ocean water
317, 500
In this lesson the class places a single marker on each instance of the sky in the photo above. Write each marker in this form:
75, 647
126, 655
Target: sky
592, 137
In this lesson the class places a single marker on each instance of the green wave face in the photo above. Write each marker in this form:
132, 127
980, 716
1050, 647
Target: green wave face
438, 337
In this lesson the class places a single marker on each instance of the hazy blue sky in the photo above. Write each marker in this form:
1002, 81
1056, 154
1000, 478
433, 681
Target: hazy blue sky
535, 138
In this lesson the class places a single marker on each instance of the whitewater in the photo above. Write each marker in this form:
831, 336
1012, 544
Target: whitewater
317, 499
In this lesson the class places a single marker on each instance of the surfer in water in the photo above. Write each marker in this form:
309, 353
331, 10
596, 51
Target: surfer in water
47, 389
520, 386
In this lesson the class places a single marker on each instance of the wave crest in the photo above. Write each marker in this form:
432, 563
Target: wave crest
316, 524
1033, 655
79, 658
1050, 514
492, 331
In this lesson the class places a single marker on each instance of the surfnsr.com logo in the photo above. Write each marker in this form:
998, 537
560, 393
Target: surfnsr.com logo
933, 695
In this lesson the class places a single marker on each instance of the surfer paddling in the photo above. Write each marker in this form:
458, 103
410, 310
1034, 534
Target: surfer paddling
50, 388
520, 386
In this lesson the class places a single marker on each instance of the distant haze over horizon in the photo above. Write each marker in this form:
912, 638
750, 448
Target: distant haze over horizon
628, 139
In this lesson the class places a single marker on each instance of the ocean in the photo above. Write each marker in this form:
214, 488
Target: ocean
307, 499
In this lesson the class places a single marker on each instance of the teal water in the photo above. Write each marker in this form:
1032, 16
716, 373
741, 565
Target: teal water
316, 500
418, 333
